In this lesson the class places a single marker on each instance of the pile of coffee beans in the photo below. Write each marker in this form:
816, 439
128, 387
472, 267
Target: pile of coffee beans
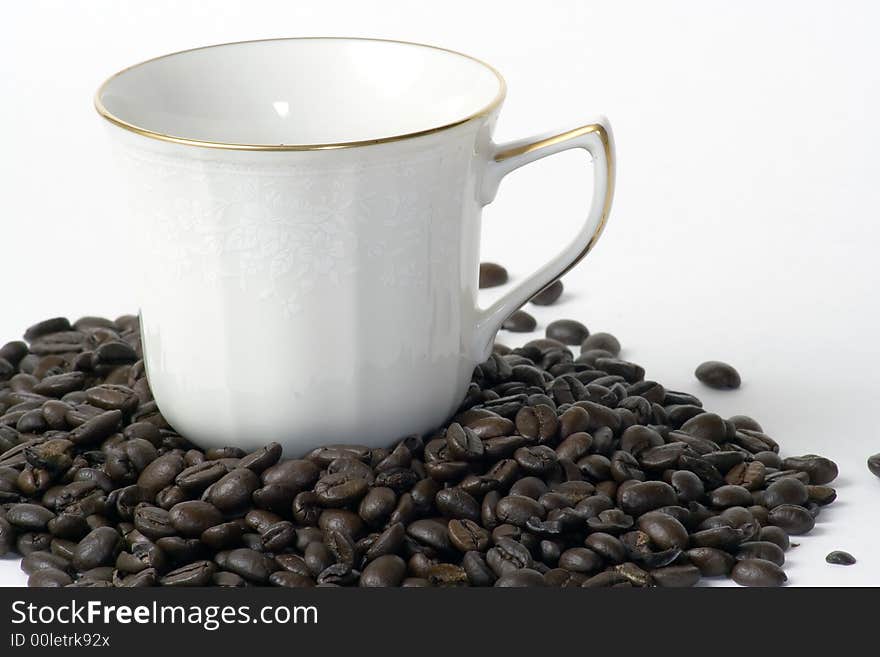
557, 470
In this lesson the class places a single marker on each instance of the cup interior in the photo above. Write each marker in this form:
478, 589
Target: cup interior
306, 92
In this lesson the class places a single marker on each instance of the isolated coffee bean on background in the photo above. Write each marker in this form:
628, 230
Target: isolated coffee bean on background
492, 275
716, 374
840, 558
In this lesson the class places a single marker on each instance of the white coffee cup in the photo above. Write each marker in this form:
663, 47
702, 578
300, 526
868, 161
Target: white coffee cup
309, 217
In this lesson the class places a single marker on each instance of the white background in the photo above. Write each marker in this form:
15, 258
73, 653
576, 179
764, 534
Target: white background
744, 227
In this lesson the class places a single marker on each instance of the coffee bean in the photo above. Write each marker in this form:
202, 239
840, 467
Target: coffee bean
676, 576
47, 326
198, 573
646, 496
766, 550
29, 517
604, 341
711, 562
538, 422
466, 535
249, 564
580, 560
757, 572
520, 322
232, 493
492, 275
820, 469
792, 518
193, 517
463, 444
508, 556
387, 570
664, 530
785, 491
432, 533
377, 505
517, 509
549, 295
477, 570
567, 331
729, 495
631, 372
525, 577
716, 374
98, 548
160, 473
339, 489
840, 558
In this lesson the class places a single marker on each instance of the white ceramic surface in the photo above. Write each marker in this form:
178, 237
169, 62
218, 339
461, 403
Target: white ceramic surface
309, 215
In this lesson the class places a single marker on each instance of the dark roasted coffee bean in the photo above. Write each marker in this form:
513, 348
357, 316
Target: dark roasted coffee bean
29, 517
160, 473
98, 548
840, 558
153, 522
729, 495
612, 521
757, 572
456, 503
249, 564
538, 422
232, 493
387, 570
549, 295
712, 562
463, 444
793, 519
785, 491
467, 535
722, 537
716, 374
775, 535
525, 577
47, 326
508, 556
520, 322
646, 496
198, 573
761, 550
492, 275
748, 475
820, 469
874, 464
676, 576
193, 517
340, 489
377, 505
604, 341
537, 460
567, 331
580, 560
40, 560
517, 509
664, 530
432, 533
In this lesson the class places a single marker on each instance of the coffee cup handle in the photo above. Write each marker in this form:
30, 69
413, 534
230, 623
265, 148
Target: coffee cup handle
596, 138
